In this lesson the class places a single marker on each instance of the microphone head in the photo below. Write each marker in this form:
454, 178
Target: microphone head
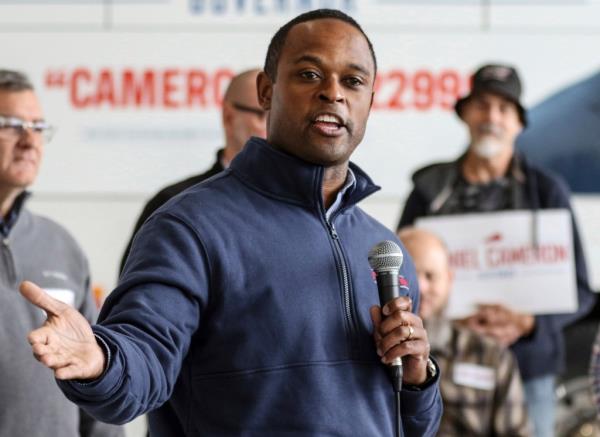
386, 257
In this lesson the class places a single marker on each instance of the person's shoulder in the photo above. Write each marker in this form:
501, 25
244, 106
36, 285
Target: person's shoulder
547, 181
46, 228
178, 187
370, 225
430, 180
47, 225
215, 194
436, 170
170, 191
545, 175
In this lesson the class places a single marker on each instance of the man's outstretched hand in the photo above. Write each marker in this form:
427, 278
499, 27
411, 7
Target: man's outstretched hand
65, 343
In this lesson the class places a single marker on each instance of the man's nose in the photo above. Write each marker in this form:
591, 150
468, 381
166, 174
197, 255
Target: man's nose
332, 91
492, 114
27, 137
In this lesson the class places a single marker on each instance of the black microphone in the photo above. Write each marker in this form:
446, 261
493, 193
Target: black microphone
385, 258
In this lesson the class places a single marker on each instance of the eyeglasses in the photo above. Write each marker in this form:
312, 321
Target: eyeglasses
260, 113
13, 128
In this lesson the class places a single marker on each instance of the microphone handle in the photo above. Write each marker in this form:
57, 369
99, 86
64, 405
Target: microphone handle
387, 286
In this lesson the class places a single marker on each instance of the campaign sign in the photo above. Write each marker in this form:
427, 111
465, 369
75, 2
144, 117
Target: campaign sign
521, 259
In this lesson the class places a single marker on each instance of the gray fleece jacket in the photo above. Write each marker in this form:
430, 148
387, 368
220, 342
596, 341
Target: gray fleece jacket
37, 249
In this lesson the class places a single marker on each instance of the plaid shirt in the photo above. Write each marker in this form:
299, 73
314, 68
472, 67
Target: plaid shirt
480, 384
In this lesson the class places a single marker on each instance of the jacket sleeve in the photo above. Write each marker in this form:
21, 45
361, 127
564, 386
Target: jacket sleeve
147, 323
88, 426
422, 409
152, 205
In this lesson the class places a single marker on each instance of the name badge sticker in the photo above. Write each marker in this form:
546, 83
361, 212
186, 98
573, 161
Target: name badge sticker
474, 375
63, 294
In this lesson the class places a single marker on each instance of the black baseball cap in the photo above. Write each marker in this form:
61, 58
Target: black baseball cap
499, 79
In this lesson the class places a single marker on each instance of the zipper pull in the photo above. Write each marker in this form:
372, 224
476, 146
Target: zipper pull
332, 231
5, 242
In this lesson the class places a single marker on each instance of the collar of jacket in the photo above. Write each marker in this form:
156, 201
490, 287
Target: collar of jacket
288, 178
8, 222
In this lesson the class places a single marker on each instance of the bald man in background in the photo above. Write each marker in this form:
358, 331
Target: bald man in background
480, 382
242, 117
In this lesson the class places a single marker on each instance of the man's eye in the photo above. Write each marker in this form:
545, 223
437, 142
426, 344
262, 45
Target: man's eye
16, 126
354, 81
309, 75
13, 123
39, 126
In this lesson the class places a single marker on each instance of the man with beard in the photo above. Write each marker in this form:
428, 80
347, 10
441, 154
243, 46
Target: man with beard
247, 302
492, 176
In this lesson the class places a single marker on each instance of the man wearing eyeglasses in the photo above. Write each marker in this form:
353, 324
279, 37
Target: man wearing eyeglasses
242, 118
33, 246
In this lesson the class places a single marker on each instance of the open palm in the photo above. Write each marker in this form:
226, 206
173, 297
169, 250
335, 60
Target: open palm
65, 342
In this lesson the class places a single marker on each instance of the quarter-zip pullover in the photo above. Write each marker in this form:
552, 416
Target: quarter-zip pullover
247, 311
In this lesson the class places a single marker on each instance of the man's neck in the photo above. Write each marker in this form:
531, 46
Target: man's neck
333, 180
230, 151
227, 156
477, 170
7, 199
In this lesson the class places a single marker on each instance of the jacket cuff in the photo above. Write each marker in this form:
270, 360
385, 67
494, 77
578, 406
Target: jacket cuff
416, 401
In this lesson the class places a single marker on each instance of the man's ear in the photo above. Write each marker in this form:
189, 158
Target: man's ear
227, 114
264, 87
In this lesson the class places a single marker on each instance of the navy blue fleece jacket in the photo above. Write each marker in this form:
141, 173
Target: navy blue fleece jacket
248, 312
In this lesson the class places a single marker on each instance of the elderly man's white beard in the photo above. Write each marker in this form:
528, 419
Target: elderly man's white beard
487, 147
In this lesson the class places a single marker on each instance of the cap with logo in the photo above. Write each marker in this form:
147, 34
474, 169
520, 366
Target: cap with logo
502, 80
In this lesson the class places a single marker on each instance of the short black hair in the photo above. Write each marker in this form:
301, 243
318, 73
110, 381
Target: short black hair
14, 81
278, 40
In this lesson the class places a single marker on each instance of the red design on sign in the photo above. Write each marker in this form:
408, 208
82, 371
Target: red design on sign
422, 90
129, 88
494, 238
402, 282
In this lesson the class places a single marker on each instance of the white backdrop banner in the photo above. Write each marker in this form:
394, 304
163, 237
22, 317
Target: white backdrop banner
136, 111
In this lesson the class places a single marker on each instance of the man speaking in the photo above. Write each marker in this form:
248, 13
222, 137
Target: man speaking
245, 300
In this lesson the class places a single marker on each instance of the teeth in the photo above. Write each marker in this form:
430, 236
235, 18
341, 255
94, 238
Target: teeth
329, 118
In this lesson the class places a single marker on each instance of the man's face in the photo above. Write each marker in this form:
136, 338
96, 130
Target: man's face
433, 273
20, 152
493, 123
320, 101
243, 117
